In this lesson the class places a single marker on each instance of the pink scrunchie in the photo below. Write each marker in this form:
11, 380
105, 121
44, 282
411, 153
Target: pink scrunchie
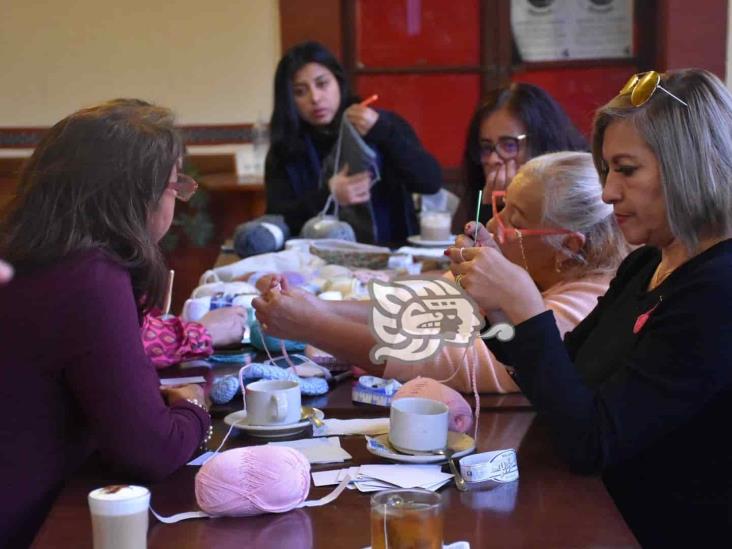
253, 480
460, 418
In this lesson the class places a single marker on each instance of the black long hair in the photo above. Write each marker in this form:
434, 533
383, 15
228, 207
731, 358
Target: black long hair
286, 126
548, 129
92, 183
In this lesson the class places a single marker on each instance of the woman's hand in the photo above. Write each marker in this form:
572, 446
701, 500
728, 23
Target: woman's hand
465, 240
362, 118
494, 282
226, 325
184, 392
498, 179
290, 314
350, 189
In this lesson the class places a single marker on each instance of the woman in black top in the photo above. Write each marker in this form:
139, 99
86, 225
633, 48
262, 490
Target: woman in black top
641, 390
311, 97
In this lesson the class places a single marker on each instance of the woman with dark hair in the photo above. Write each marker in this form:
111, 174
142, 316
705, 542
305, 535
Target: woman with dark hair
82, 234
311, 97
513, 125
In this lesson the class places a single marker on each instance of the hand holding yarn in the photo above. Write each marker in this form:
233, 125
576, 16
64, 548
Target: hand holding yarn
281, 313
363, 118
350, 189
465, 240
192, 391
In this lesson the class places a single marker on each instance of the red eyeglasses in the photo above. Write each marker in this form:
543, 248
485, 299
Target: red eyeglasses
185, 187
504, 233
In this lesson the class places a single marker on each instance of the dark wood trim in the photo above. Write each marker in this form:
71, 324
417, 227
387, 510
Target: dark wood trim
218, 134
348, 38
422, 69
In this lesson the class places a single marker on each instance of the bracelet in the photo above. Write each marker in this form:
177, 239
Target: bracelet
209, 433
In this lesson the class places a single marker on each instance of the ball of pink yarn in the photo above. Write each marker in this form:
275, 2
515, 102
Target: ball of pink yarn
252, 481
460, 416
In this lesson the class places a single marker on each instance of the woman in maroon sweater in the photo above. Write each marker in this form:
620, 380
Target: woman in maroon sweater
93, 201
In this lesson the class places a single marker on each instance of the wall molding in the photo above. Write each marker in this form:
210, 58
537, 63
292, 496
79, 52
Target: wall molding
214, 134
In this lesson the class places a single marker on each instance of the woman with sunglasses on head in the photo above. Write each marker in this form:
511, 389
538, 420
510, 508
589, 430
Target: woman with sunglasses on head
311, 97
554, 225
82, 233
512, 125
641, 390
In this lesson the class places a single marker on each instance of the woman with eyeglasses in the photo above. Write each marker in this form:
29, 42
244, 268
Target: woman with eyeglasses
553, 225
311, 97
641, 390
512, 125
82, 233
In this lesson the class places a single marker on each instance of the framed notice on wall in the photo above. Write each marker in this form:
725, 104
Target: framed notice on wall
562, 30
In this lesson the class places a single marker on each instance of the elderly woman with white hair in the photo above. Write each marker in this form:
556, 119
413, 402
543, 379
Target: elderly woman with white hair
554, 225
641, 390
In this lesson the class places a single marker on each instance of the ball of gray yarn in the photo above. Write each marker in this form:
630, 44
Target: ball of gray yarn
328, 226
252, 238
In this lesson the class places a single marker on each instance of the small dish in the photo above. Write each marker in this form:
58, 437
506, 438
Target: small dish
460, 443
239, 420
417, 241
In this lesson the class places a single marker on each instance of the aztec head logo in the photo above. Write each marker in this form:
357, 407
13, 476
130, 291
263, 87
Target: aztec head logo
411, 318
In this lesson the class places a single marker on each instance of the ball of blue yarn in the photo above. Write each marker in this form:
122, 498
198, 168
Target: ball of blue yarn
259, 339
252, 238
224, 389
327, 226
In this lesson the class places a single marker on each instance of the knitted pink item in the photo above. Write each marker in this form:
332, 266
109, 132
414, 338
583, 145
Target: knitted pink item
460, 417
254, 480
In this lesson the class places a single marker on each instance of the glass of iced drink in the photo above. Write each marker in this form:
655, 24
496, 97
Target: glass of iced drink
406, 519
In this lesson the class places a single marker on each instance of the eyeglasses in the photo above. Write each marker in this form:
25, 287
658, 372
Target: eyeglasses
504, 234
185, 187
642, 86
506, 148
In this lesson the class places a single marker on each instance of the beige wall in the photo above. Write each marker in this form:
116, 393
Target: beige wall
212, 62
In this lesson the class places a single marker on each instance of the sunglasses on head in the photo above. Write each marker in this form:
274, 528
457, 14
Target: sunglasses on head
642, 86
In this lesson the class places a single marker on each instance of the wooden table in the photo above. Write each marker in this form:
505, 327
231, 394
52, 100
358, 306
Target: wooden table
547, 507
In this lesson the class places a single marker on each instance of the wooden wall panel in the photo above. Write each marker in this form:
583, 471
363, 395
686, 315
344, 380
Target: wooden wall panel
319, 20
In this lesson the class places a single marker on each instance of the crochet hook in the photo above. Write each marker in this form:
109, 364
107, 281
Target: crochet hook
366, 102
168, 295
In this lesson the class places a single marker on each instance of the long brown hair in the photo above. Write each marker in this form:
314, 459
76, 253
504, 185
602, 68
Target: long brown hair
92, 183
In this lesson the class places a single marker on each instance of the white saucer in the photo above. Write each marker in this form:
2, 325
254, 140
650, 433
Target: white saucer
239, 420
460, 443
417, 241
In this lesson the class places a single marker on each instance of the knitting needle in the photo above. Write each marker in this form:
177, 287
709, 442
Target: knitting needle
366, 102
168, 295
477, 216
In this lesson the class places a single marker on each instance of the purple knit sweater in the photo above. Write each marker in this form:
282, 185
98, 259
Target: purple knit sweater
74, 378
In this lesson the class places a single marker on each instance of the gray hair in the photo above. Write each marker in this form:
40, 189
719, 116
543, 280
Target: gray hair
693, 146
573, 201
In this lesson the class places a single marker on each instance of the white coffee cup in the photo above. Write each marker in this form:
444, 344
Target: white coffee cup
119, 517
273, 402
418, 425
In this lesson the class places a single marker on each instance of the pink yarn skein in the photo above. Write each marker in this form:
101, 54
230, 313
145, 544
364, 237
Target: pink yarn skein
254, 480
460, 416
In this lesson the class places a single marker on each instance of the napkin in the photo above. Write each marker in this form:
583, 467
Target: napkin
318, 450
375, 426
372, 478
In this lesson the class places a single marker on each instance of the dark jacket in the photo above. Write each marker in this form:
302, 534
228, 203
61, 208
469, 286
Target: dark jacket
298, 190
647, 403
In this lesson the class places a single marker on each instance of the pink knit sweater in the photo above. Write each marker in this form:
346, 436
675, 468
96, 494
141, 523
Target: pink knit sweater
571, 302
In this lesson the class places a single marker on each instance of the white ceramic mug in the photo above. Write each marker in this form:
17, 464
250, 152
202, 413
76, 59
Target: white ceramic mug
273, 402
418, 425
